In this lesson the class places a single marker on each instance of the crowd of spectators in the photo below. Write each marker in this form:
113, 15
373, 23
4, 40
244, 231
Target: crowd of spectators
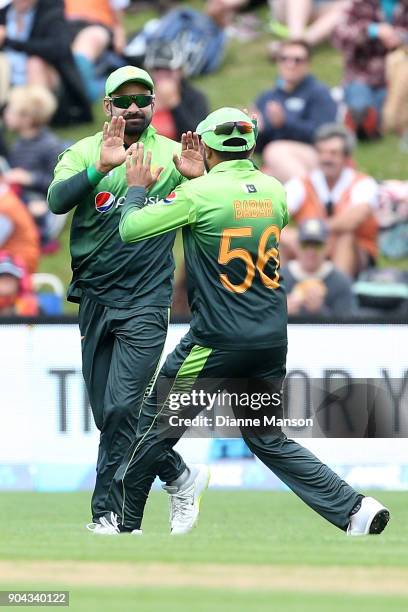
54, 59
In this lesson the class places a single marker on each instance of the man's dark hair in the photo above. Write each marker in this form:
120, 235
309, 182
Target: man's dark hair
231, 155
298, 42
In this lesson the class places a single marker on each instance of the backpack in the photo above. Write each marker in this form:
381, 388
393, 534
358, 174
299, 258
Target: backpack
199, 42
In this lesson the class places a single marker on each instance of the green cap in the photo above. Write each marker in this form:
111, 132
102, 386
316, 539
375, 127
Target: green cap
206, 128
128, 74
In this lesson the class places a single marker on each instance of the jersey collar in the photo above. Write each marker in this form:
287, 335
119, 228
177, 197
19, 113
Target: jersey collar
149, 132
235, 164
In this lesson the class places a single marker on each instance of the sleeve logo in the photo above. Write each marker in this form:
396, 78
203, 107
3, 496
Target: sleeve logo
169, 199
104, 200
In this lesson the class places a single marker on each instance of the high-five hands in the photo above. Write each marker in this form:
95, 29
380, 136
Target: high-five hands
113, 152
191, 161
138, 168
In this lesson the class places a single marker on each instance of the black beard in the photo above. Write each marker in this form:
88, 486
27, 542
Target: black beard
133, 130
206, 166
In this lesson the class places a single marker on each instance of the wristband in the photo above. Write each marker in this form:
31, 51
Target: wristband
94, 177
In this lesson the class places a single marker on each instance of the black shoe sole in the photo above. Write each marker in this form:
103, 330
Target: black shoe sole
379, 522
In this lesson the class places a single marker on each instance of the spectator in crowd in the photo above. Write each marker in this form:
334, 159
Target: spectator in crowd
35, 41
345, 198
200, 35
291, 112
179, 107
34, 154
16, 294
314, 286
310, 20
96, 25
18, 232
371, 30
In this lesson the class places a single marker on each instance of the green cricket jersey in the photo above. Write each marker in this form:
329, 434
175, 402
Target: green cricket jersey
232, 219
106, 269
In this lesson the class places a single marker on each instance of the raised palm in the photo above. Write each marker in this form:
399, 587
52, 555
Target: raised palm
113, 152
191, 161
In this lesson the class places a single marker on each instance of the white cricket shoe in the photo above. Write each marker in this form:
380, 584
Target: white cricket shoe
109, 526
185, 503
372, 518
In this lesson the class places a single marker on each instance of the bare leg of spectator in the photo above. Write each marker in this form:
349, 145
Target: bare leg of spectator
91, 42
285, 159
395, 114
345, 255
288, 244
41, 73
327, 18
4, 78
295, 14
87, 47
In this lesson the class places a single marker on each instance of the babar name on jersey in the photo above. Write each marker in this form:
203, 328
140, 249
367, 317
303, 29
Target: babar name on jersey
105, 201
251, 208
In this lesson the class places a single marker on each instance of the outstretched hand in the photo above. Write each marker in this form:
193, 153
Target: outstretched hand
138, 169
191, 161
113, 152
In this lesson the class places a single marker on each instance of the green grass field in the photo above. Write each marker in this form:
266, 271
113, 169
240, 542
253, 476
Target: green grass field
245, 73
252, 551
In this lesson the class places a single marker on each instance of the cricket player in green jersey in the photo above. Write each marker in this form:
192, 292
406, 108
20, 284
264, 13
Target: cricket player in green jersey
232, 219
123, 291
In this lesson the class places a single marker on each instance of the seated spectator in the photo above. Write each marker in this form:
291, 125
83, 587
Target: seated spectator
370, 31
345, 198
18, 233
96, 25
313, 284
290, 113
200, 36
34, 154
16, 294
35, 41
179, 107
311, 20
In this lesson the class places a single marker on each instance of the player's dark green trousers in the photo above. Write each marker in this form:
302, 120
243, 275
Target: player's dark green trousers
315, 483
121, 350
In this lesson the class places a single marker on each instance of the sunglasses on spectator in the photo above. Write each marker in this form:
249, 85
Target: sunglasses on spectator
141, 100
311, 244
243, 127
285, 59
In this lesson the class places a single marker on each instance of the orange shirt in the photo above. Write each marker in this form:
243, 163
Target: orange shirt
94, 11
23, 242
313, 208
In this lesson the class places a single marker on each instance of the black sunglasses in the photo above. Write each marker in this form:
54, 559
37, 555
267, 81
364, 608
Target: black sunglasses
243, 127
141, 100
285, 59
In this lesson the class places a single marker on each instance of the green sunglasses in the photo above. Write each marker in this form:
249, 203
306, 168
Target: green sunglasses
141, 100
